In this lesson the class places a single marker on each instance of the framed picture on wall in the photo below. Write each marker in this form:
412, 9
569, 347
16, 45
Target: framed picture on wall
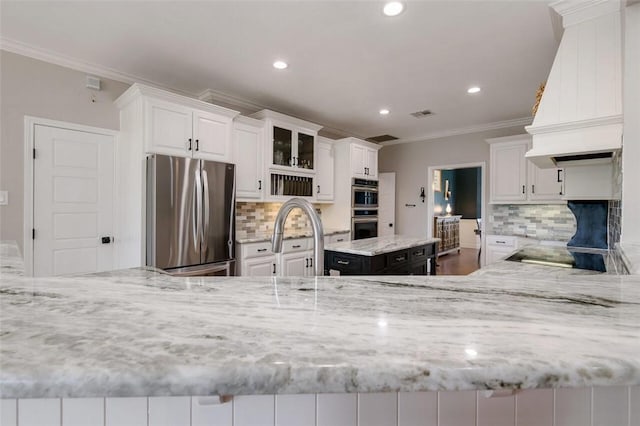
437, 181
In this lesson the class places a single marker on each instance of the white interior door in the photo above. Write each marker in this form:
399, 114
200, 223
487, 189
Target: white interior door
386, 204
72, 201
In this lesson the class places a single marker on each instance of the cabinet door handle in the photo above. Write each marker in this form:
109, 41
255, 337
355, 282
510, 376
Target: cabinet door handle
311, 262
561, 190
296, 246
559, 179
339, 240
197, 144
501, 242
523, 189
400, 259
306, 262
274, 268
533, 189
261, 250
295, 162
259, 185
318, 189
189, 149
343, 262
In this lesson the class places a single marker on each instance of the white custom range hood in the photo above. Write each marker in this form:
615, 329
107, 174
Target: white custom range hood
579, 119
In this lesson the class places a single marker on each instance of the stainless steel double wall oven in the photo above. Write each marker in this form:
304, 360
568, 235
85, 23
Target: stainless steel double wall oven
364, 209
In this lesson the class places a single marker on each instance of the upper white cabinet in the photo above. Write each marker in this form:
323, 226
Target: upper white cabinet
248, 145
325, 170
364, 160
290, 142
181, 126
513, 179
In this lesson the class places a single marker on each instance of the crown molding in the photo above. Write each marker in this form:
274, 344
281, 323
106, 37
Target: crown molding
213, 96
55, 58
524, 121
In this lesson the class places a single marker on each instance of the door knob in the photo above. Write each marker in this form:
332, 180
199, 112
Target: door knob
107, 240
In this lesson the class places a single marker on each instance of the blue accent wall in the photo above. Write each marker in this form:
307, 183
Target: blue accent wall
465, 187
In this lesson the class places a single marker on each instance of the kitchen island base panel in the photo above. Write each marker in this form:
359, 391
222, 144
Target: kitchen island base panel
614, 405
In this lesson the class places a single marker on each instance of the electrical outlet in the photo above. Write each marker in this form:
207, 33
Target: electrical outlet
4, 198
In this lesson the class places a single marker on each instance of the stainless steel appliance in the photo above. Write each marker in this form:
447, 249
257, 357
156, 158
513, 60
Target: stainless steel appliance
190, 216
364, 209
364, 194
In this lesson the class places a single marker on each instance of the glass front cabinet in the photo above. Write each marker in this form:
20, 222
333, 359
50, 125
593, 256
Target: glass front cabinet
291, 142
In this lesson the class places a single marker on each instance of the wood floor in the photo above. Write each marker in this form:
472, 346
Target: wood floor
458, 264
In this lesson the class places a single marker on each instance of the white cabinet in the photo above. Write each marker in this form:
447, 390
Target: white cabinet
256, 260
248, 157
515, 180
364, 161
325, 170
295, 264
498, 247
173, 128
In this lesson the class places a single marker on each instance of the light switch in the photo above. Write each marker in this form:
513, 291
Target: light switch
4, 198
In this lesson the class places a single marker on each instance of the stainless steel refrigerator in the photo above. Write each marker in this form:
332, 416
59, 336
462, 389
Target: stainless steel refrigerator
190, 216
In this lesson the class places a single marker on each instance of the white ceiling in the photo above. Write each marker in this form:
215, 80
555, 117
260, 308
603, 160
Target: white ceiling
346, 59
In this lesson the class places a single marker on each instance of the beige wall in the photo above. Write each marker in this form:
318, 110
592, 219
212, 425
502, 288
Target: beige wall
36, 88
411, 161
631, 142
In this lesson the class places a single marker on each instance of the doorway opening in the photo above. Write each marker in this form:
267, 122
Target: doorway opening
455, 213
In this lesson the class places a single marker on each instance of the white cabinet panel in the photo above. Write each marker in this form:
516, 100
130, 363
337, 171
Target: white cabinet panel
169, 128
83, 412
371, 163
296, 410
496, 410
295, 264
573, 407
545, 184
535, 407
377, 409
126, 411
337, 409
254, 410
457, 408
259, 267
325, 171
417, 408
248, 157
208, 411
610, 406
8, 412
169, 410
212, 136
508, 176
39, 412
358, 159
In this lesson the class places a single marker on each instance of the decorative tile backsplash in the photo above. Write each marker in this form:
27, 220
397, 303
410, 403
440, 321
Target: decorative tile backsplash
257, 218
541, 221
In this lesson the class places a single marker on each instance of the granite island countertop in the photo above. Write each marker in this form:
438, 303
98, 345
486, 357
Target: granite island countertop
379, 245
142, 333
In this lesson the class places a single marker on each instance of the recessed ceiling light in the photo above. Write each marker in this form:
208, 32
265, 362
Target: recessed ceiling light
393, 8
280, 65
384, 111
474, 89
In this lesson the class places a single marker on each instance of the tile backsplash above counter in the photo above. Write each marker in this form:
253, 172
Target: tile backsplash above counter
540, 221
258, 218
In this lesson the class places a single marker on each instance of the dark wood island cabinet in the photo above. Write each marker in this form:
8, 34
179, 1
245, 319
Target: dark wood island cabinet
395, 255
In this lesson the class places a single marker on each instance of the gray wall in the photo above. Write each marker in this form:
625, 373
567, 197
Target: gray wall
411, 161
36, 88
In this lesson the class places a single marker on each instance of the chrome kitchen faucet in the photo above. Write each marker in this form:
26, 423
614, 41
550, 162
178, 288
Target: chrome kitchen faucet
316, 224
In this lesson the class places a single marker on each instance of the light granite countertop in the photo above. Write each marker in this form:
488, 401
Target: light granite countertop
379, 245
260, 237
142, 333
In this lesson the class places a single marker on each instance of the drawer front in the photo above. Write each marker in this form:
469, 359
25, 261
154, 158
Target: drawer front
338, 238
421, 253
344, 263
501, 241
397, 258
248, 251
299, 244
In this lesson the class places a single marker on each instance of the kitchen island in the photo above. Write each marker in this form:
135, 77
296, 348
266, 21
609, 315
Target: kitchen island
390, 255
142, 333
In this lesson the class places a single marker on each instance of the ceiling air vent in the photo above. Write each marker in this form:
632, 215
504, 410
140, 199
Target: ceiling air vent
421, 114
381, 138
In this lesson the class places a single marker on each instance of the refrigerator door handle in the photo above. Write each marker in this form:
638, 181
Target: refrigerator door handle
196, 210
205, 211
